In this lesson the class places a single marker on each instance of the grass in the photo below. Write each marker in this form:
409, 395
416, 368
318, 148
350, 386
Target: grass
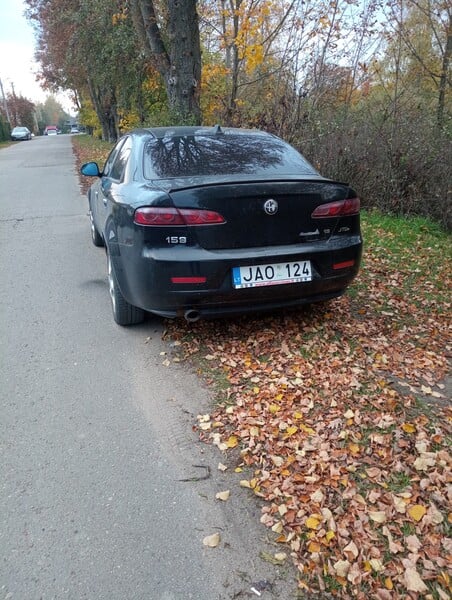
399, 482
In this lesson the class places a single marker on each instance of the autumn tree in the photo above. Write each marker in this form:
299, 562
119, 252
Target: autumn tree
423, 29
89, 47
169, 35
21, 111
50, 112
248, 34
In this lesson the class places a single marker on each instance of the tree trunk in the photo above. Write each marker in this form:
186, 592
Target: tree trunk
105, 106
179, 59
184, 81
235, 66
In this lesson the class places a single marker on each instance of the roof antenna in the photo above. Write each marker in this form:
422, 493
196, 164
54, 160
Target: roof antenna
218, 129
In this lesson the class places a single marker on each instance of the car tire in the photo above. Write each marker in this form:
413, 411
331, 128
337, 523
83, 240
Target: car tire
123, 312
97, 239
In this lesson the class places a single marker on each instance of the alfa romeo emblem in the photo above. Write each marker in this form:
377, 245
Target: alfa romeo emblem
271, 206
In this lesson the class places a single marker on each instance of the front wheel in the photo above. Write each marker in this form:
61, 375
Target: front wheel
123, 312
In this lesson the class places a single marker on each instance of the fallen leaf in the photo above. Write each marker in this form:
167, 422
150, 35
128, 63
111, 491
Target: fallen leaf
341, 567
376, 565
223, 495
274, 559
425, 461
351, 551
212, 541
408, 428
313, 546
434, 515
354, 574
413, 581
280, 556
412, 543
277, 527
442, 594
232, 441
317, 496
378, 516
417, 511
312, 522
399, 504
329, 535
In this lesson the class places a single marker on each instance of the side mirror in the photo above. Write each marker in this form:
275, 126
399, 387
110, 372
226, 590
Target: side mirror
90, 169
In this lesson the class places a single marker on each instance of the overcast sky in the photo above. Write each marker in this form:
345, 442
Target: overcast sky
17, 45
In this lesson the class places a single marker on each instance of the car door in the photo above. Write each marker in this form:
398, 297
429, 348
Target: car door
111, 176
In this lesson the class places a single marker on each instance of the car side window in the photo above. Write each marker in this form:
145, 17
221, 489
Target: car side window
120, 160
111, 159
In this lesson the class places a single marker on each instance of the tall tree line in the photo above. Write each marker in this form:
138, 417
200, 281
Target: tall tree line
360, 86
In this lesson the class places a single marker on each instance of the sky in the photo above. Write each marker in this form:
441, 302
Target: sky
17, 64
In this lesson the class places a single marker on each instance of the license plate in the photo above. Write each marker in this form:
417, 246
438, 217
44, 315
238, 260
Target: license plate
274, 274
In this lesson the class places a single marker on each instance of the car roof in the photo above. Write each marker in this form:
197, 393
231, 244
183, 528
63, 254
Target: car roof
181, 131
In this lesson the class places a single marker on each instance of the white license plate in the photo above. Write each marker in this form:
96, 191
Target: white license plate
274, 274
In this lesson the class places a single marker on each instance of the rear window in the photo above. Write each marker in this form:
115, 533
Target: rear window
222, 154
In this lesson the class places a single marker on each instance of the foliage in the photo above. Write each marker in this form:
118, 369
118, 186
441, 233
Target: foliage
341, 417
404, 172
213, 90
21, 111
51, 112
362, 88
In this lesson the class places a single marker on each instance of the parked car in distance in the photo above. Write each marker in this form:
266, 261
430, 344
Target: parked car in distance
74, 129
203, 222
21, 133
51, 130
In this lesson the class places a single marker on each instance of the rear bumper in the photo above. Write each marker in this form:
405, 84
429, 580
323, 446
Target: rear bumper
145, 277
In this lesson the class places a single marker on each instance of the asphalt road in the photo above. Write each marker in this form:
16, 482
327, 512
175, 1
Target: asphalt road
95, 430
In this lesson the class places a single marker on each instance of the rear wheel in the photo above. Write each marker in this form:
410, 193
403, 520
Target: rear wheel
123, 312
98, 240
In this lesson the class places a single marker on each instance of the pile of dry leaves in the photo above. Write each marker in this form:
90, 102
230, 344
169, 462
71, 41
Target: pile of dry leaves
341, 416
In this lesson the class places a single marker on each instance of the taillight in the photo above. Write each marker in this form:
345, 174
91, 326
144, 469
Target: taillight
156, 215
341, 208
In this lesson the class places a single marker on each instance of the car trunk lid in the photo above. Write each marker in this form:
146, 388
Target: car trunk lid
263, 213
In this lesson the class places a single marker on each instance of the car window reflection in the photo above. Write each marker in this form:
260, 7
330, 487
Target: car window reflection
227, 154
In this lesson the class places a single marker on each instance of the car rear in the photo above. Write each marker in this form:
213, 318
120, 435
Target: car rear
231, 242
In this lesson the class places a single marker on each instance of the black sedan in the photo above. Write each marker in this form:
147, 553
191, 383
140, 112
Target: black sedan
204, 222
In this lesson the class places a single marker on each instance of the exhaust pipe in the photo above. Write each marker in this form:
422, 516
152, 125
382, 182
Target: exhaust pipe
191, 315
